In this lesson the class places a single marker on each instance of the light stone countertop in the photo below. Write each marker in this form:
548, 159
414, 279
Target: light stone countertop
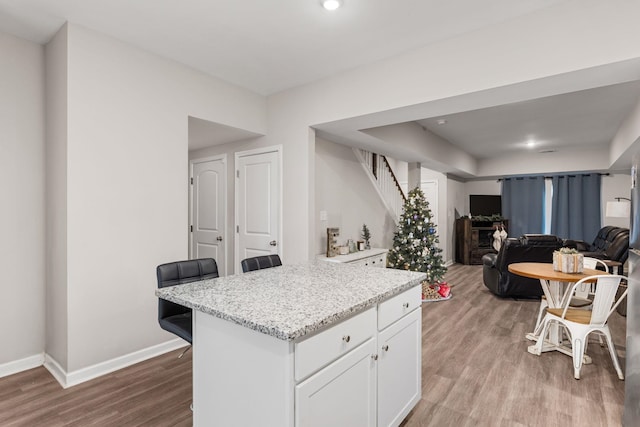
291, 301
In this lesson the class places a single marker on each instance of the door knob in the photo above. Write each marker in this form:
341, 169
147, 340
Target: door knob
273, 243
219, 238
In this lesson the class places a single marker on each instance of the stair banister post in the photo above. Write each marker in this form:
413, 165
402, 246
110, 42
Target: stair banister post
374, 164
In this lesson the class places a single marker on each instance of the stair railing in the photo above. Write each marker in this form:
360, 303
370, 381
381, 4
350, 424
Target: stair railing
385, 181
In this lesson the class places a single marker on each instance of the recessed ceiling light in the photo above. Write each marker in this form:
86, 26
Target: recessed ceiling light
531, 143
331, 4
442, 121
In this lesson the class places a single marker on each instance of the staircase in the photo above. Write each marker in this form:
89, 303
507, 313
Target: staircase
379, 171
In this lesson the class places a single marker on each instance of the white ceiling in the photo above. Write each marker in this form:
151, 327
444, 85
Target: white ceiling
265, 45
270, 46
588, 118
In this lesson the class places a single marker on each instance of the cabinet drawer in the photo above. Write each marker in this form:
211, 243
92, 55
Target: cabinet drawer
375, 261
395, 307
372, 261
319, 350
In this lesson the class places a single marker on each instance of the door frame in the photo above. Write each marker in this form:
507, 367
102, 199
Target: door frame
192, 162
262, 150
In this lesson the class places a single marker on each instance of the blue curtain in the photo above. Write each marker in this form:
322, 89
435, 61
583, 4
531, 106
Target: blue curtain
523, 205
575, 209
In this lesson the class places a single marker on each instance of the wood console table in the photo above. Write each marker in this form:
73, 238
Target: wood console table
475, 238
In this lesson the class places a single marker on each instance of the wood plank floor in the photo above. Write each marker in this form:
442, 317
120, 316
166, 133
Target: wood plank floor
476, 372
156, 392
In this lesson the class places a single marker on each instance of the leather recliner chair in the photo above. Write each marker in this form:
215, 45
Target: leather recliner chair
528, 248
611, 243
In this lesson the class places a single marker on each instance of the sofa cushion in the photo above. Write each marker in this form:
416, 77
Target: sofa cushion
605, 235
540, 240
617, 247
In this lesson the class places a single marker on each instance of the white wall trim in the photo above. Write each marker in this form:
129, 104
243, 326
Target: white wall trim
55, 369
69, 379
16, 366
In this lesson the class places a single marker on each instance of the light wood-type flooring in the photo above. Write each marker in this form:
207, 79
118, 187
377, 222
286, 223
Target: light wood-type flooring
476, 372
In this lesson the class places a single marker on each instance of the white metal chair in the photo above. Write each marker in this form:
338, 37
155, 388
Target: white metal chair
581, 298
587, 290
580, 323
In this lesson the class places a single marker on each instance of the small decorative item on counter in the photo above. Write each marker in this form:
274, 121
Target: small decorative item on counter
352, 246
568, 260
361, 245
332, 241
343, 250
366, 235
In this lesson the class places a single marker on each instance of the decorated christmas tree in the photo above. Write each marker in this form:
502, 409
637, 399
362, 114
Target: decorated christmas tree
414, 244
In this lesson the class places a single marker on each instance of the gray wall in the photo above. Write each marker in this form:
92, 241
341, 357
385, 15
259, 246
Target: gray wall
345, 192
22, 217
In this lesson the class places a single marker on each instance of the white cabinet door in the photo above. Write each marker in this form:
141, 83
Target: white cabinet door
399, 369
342, 394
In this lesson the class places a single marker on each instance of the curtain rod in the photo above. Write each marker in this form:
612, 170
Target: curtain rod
551, 176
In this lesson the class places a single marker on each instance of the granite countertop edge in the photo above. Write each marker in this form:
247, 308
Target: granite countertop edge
291, 335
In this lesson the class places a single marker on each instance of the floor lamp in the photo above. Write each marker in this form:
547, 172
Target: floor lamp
618, 209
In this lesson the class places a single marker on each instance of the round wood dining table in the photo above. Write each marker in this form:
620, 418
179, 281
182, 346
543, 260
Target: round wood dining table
552, 282
545, 271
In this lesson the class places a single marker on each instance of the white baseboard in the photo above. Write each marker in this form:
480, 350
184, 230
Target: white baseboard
16, 366
69, 379
55, 369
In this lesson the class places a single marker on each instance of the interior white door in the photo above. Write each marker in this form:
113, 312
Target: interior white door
430, 190
258, 184
208, 207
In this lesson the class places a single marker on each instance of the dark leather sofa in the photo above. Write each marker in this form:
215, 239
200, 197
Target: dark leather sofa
528, 248
610, 243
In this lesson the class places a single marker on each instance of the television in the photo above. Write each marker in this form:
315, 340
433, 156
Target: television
485, 205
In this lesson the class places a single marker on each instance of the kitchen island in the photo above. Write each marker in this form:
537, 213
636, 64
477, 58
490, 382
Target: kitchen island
305, 345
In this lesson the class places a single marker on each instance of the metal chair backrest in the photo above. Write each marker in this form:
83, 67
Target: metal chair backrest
589, 288
593, 263
604, 299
